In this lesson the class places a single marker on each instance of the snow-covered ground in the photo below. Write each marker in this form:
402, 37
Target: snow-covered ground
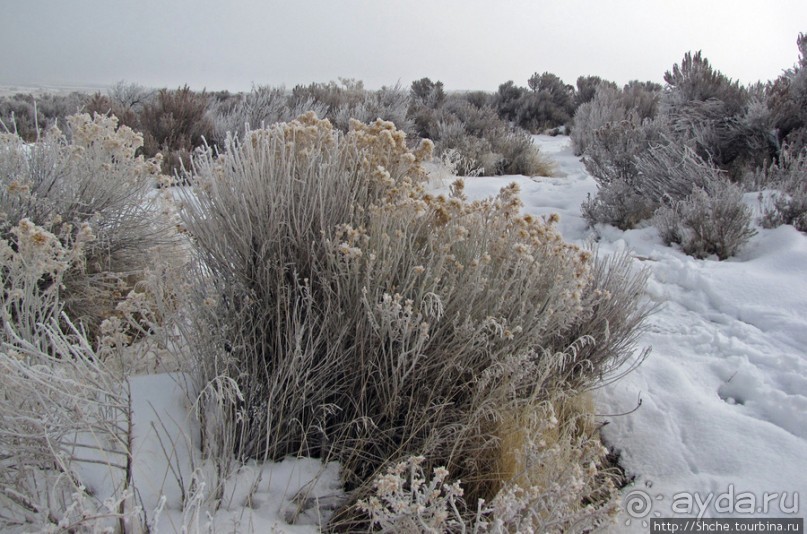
723, 414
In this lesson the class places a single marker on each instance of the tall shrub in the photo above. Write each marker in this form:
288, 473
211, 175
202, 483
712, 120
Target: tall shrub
367, 320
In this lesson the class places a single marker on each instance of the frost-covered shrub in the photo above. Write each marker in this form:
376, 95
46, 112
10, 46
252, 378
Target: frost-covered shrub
606, 107
519, 154
484, 143
611, 158
60, 408
548, 102
717, 117
618, 204
366, 320
639, 170
129, 96
427, 93
670, 171
787, 204
348, 92
20, 116
468, 125
587, 88
350, 100
28, 115
642, 97
507, 100
694, 80
100, 104
787, 100
612, 319
552, 469
34, 262
501, 150
388, 104
733, 142
636, 103
62, 414
476, 155
407, 500
88, 190
712, 221
262, 106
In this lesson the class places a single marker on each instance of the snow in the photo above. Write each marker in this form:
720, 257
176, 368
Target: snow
293, 495
719, 407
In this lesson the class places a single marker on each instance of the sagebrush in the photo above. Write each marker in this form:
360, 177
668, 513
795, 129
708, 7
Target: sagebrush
335, 287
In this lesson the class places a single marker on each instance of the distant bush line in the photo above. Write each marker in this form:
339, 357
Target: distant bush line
485, 133
650, 147
685, 153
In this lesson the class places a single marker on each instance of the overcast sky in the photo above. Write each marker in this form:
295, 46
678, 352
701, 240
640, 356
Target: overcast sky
467, 44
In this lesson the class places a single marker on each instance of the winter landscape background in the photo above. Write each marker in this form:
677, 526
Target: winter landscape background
549, 307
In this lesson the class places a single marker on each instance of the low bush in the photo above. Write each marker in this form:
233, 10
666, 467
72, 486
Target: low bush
77, 226
62, 414
551, 103
694, 80
688, 198
636, 103
707, 222
366, 320
670, 171
350, 100
605, 108
507, 100
174, 123
485, 143
618, 204
388, 104
548, 103
66, 432
587, 88
545, 451
647, 148
786, 97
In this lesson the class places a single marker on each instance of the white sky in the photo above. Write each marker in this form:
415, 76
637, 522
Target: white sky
467, 44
